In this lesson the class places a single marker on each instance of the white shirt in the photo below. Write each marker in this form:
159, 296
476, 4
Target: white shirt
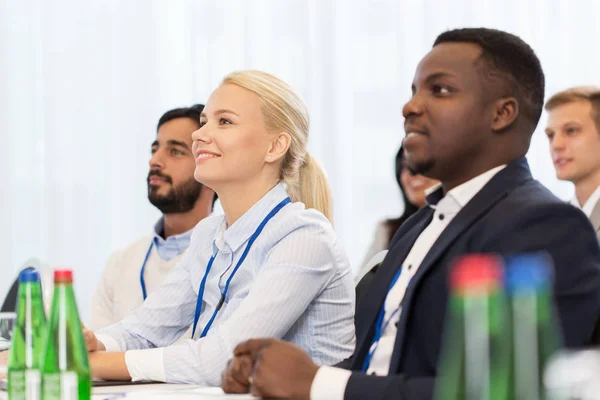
330, 382
589, 205
295, 284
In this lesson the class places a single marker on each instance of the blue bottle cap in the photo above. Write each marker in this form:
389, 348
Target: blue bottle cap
29, 275
531, 271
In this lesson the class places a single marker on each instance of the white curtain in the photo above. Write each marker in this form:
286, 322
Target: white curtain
83, 83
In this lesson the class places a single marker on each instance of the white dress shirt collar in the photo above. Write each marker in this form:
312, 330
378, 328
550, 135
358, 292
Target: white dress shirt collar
589, 205
464, 192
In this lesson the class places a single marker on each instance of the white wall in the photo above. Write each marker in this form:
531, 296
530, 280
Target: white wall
82, 85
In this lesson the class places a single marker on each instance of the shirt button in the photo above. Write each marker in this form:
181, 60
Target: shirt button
373, 374
441, 217
409, 267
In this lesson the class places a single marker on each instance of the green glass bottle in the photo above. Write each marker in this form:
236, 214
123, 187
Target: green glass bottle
65, 367
24, 378
536, 336
475, 358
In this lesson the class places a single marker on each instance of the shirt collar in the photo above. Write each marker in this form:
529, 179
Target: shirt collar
230, 239
173, 245
463, 193
575, 202
589, 205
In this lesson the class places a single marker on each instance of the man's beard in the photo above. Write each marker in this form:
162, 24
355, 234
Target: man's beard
179, 199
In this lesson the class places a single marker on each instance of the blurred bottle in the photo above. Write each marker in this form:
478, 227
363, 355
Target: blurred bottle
536, 336
65, 367
27, 345
46, 280
475, 358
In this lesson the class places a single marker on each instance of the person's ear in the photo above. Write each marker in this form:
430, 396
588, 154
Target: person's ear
278, 147
505, 112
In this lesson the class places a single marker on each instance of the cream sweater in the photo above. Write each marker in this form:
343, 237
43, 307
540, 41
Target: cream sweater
119, 291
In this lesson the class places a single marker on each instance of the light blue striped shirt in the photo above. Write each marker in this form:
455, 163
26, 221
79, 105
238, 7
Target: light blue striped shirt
295, 284
172, 246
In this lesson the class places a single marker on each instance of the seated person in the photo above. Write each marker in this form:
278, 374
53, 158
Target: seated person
574, 134
476, 100
272, 265
183, 202
412, 188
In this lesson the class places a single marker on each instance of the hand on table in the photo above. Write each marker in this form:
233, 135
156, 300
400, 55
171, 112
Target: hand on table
91, 341
237, 375
109, 366
279, 369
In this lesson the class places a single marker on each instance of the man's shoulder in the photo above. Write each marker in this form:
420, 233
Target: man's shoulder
531, 209
140, 244
533, 192
533, 198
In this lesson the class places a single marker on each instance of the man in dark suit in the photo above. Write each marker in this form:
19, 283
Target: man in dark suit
477, 98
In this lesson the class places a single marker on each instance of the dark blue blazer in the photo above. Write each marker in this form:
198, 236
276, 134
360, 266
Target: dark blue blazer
512, 213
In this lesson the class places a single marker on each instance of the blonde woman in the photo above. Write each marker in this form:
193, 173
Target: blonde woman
271, 266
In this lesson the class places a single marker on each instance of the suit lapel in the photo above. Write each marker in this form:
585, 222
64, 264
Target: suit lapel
400, 246
499, 186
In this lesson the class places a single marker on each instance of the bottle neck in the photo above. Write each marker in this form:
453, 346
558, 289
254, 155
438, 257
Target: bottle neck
34, 285
30, 293
62, 292
538, 301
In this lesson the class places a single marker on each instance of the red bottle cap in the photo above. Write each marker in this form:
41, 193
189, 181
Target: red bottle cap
477, 272
63, 276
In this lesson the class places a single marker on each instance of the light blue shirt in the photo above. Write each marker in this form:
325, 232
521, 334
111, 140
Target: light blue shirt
172, 246
295, 284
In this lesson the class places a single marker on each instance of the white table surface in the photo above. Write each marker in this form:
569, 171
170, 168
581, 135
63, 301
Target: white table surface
158, 391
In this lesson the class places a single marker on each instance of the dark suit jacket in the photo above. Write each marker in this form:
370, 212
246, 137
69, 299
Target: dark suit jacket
511, 214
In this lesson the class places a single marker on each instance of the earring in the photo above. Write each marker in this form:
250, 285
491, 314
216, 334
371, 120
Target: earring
269, 157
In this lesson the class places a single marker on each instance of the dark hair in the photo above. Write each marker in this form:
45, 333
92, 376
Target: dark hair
192, 113
512, 60
409, 208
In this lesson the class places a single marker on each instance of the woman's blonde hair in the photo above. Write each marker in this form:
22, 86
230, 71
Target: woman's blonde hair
284, 111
